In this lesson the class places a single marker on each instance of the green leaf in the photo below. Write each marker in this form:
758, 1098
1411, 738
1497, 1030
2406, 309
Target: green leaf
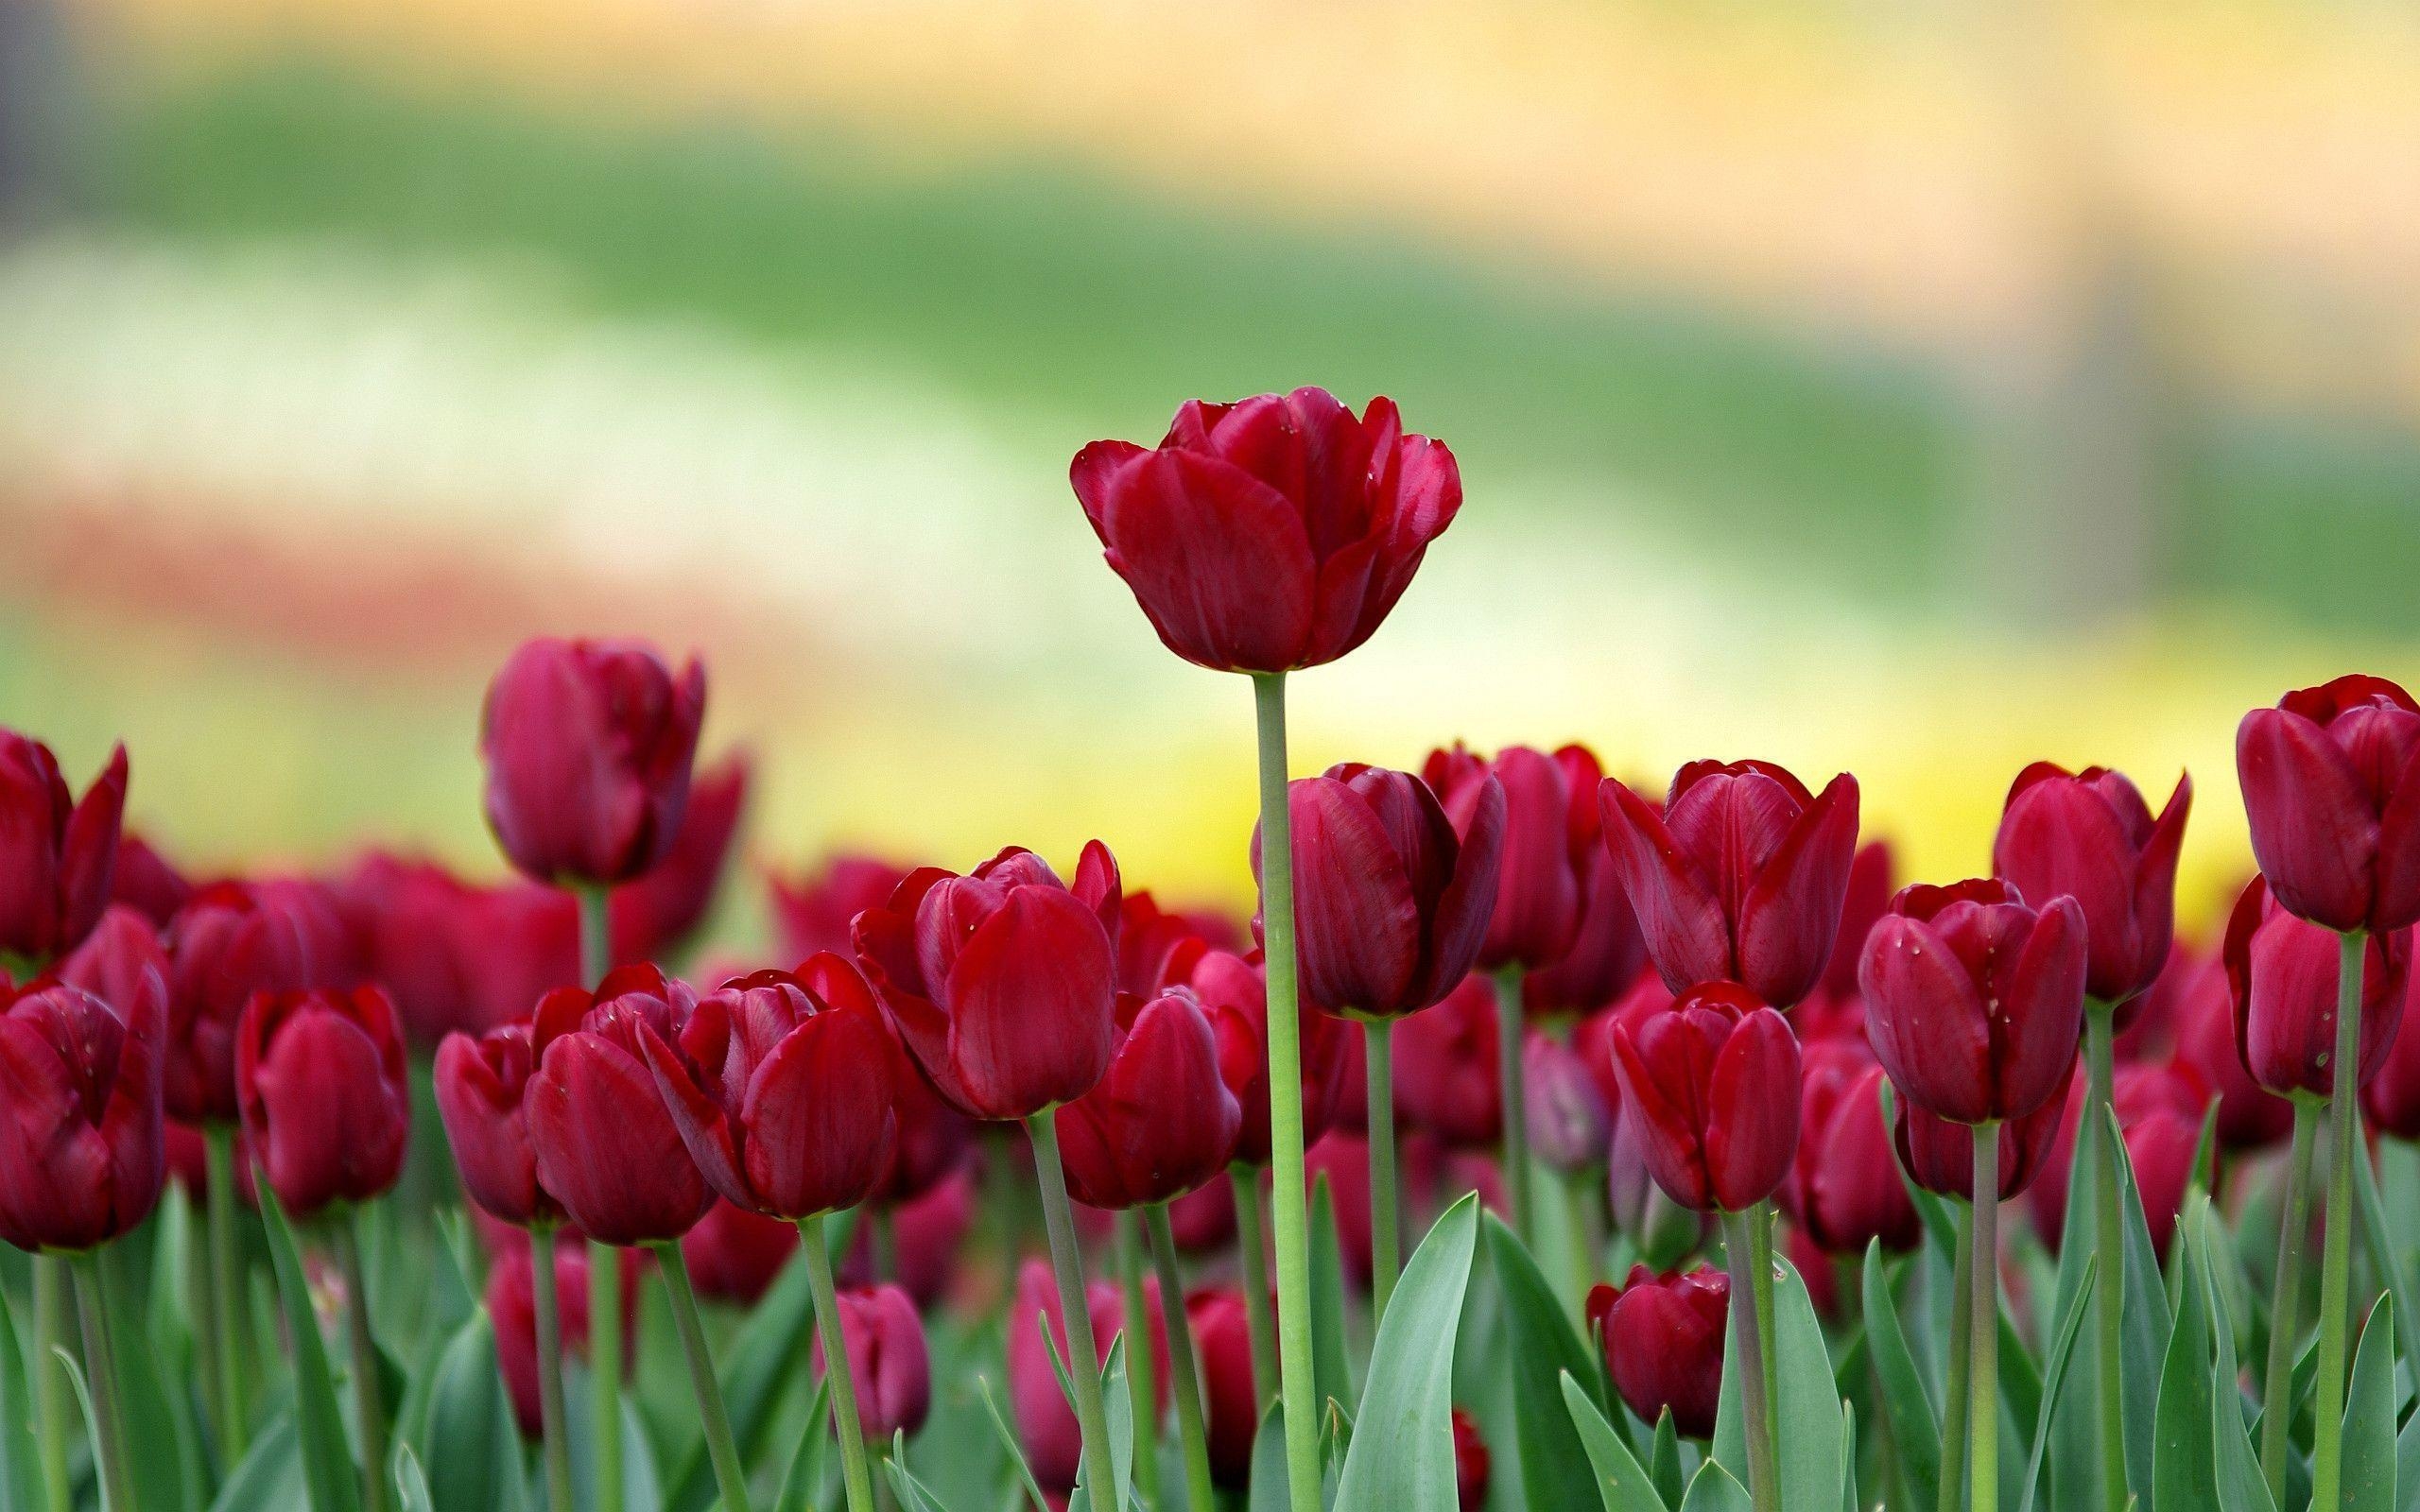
2378, 1239
161, 1409
1269, 1490
1120, 1405
411, 1486
1806, 1410
21, 1487
2369, 1416
1622, 1484
2054, 1376
642, 1488
1331, 1362
2185, 1453
1664, 1461
1402, 1452
1715, 1490
1915, 1426
914, 1495
92, 1424
1016, 1449
470, 1443
755, 1370
327, 1459
270, 1478
2240, 1487
803, 1481
1545, 1357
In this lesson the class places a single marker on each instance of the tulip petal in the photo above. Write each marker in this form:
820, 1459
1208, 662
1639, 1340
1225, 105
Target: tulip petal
703, 1124
1095, 469
2395, 902
2155, 877
818, 1120
1791, 913
2042, 1018
1925, 1020
1029, 1004
1678, 916
1357, 922
1752, 1110
2313, 830
1216, 557
1457, 926
88, 855
606, 1147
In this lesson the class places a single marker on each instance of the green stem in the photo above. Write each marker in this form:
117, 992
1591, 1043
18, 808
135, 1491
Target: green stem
1983, 1321
2109, 1280
2343, 1148
605, 1370
1760, 1254
1186, 1376
846, 1424
1952, 1493
1083, 1353
730, 1478
595, 930
100, 1374
556, 1450
227, 1281
1255, 1257
882, 1242
1142, 1391
1386, 1225
2293, 1246
1741, 1244
1583, 1195
369, 1391
1295, 1369
194, 1291
52, 1399
1510, 1020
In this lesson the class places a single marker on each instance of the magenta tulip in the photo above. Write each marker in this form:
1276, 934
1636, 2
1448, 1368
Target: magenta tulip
1710, 1086
2090, 836
326, 1103
83, 1146
2331, 781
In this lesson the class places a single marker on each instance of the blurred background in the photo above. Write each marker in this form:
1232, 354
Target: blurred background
1908, 388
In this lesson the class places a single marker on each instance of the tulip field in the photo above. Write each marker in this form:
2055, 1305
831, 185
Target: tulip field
1542, 1140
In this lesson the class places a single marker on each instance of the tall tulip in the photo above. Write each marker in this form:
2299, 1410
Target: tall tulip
2251, 1117
1221, 1327
1049, 1434
1938, 1154
1607, 953
146, 882
58, 853
734, 1255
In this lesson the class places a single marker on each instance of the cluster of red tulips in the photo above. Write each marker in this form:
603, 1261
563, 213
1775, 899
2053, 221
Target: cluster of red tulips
1639, 1031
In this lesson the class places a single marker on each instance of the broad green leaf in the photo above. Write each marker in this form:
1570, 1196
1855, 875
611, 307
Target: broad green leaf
411, 1486
1915, 1427
2054, 1379
160, 1397
92, 1423
1664, 1461
2241, 1487
270, 1479
470, 1445
1331, 1361
1402, 1459
1622, 1484
803, 1481
642, 1488
1716, 1490
2378, 1240
1121, 1407
1544, 1358
21, 1489
1807, 1412
2369, 1416
2184, 1456
1269, 1490
328, 1467
755, 1369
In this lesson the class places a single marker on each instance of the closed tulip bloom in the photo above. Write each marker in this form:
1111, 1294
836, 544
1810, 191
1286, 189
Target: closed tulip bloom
82, 1147
514, 942
2392, 1095
1710, 1086
1939, 1154
401, 912
1742, 877
1448, 1069
2331, 785
1157, 947
1543, 859
1046, 1424
146, 882
1871, 885
587, 746
1570, 1126
2090, 836
1606, 954
1233, 991
326, 1103
2160, 1110
120, 960
930, 1143
1974, 1001
1160, 1121
1002, 983
481, 1086
1391, 904
780, 1085
1844, 1189
887, 1362
2250, 1116
608, 1148
658, 912
2281, 971
1663, 1336
930, 1228
1273, 533
1221, 1325
812, 911
233, 940
513, 1302
1470, 1463
734, 1255
57, 852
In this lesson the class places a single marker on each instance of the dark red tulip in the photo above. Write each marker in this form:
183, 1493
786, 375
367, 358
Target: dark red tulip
1543, 861
1607, 953
1342, 1156
402, 913
58, 853
1202, 1222
657, 913
1470, 1463
1570, 1126
812, 912
930, 1145
2090, 836
1662, 1336
2159, 1110
1273, 533
607, 1146
1873, 873
1221, 1325
781, 1085
1592, 1038
2153, 1020
1157, 947
734, 1255
231, 942
887, 1362
1742, 876
1711, 1088
1391, 903
1974, 1001
1045, 1423
1844, 1189
121, 958
326, 1103
587, 746
82, 1148
1161, 1122
1447, 1068
1233, 991
2392, 1095
516, 942
928, 1228
481, 1086
2250, 1117
146, 881
1002, 983
2282, 972
1939, 1155
513, 1302
2331, 781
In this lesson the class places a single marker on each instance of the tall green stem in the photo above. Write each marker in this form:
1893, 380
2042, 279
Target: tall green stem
2335, 1265
846, 1424
226, 1289
368, 1389
52, 1399
731, 1479
1951, 1492
1385, 1223
1740, 1243
882, 1242
100, 1374
556, 1450
1983, 1321
1187, 1378
1142, 1390
2294, 1245
1295, 1368
1510, 1020
1249, 1240
1084, 1352
2109, 1279
605, 1370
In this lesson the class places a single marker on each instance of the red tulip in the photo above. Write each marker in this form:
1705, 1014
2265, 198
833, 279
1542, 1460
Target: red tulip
231, 942
145, 882
1391, 904
514, 942
931, 1145
2159, 1111
2282, 971
1939, 1155
1470, 1463
1233, 991
1001, 983
607, 1146
1161, 1122
1045, 1423
1221, 1325
56, 853
2090, 836
1592, 1038
1607, 953
1570, 1126
1544, 857
1843, 1191
1974, 1001
734, 1255
780, 1085
2331, 781
1662, 1336
1156, 948
1447, 1067
587, 746
1711, 1088
2250, 1117
401, 913
1270, 534
82, 1152
928, 1227
327, 1104
513, 1302
1202, 1222
887, 1362
1872, 871
481, 1087
658, 912
2392, 1095
1741, 878
1342, 1156
121, 959
813, 912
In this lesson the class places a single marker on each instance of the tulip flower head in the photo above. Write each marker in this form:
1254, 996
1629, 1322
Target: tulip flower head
1047, 1427
1570, 1126
1606, 954
58, 853
659, 911
1160, 1120
1868, 897
812, 912
1938, 1154
2160, 1110
888, 1364
1233, 991
1844, 1189
734, 1255
931, 1141
482, 1086
2251, 1117
1472, 1463
2090, 836
1448, 1069
231, 940
83, 1146
2282, 974
1221, 1324
146, 882
1543, 858
607, 1147
1662, 1337
2331, 782
1710, 1088
513, 1302
326, 1101
2391, 1097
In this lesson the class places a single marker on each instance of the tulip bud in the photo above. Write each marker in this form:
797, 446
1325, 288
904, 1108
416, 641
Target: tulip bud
734, 1255
513, 1302
1974, 1001
2090, 836
2159, 1111
1391, 904
1045, 1423
233, 940
1233, 991
1939, 1155
656, 914
326, 1103
1607, 953
481, 1086
1570, 1124
1538, 881
145, 882
1662, 1337
887, 1362
607, 1147
1157, 947
1710, 1086
1741, 878
812, 912
1221, 1324
1270, 534
587, 746
83, 1151
1001, 984
2282, 971
2250, 1116
1844, 1189
2331, 782
57, 854
1448, 1066
1470, 1463
1161, 1122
